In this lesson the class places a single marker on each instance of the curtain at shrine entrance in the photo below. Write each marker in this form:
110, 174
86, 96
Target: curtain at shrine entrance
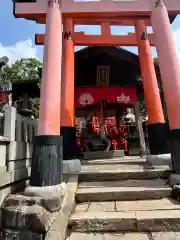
93, 95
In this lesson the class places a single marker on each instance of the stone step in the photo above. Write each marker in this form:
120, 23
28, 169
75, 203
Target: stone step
126, 206
103, 154
134, 221
113, 172
117, 160
122, 190
124, 236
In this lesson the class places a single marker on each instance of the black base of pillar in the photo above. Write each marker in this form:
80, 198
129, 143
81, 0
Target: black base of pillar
158, 136
47, 161
175, 150
69, 143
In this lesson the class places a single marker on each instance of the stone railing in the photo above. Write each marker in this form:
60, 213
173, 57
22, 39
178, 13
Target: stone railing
29, 212
16, 144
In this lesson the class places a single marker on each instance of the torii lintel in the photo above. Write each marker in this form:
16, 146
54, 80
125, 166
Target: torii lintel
103, 8
81, 39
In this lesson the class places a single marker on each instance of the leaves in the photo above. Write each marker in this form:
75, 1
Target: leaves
35, 103
21, 70
24, 70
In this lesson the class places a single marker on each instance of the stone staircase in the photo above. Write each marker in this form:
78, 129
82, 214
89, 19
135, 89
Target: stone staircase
124, 198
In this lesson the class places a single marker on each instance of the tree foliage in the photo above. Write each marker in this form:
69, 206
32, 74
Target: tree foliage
35, 103
24, 70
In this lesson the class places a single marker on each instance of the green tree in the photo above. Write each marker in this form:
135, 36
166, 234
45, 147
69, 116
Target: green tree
35, 103
25, 69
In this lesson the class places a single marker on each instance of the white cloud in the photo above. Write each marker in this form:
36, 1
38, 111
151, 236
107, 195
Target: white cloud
22, 49
177, 40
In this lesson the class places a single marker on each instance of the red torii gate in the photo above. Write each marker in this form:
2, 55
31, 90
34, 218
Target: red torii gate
141, 12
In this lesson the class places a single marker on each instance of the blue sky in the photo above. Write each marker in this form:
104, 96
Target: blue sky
17, 35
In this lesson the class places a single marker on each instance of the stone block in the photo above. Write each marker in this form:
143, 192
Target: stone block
2, 155
82, 207
108, 236
27, 217
161, 159
17, 164
71, 166
174, 179
13, 176
35, 218
118, 173
165, 235
103, 221
19, 150
103, 154
58, 229
10, 122
102, 207
10, 189
21, 200
158, 221
123, 190
176, 192
21, 235
120, 160
148, 205
52, 196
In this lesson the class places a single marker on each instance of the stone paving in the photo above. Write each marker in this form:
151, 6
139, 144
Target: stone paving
125, 236
136, 206
123, 190
124, 206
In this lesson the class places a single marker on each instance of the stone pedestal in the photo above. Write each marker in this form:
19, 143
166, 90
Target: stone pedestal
159, 159
39, 212
71, 166
31, 213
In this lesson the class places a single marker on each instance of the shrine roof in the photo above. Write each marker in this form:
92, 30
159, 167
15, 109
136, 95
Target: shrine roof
117, 52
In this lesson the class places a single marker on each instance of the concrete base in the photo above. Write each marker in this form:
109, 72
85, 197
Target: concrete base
103, 154
51, 196
160, 159
71, 166
174, 179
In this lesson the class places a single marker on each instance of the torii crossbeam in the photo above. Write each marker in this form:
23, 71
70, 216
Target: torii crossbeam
81, 39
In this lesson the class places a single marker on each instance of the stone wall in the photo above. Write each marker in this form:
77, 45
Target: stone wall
23, 216
16, 137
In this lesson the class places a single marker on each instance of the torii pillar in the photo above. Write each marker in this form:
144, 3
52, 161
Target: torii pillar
68, 129
47, 152
170, 72
157, 128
